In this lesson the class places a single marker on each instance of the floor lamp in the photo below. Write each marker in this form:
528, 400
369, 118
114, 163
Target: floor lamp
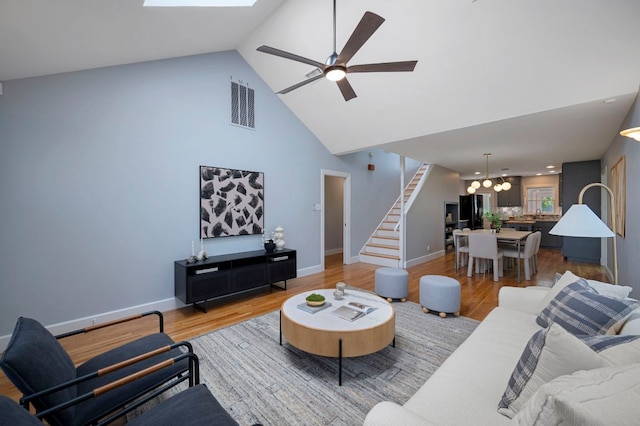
581, 221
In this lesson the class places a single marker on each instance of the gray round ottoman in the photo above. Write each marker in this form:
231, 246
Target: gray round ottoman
441, 294
392, 283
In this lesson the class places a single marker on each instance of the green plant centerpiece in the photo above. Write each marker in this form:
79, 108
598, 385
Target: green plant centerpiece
494, 218
315, 299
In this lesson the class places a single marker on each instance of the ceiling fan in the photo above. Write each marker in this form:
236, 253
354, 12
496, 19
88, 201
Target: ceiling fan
336, 68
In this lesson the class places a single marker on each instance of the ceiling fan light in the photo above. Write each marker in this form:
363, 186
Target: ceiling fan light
633, 133
506, 186
471, 190
475, 184
487, 183
335, 73
497, 187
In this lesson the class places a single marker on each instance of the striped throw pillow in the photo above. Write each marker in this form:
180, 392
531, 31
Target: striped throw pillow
580, 310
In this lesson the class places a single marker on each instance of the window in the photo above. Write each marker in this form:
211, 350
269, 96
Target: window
542, 199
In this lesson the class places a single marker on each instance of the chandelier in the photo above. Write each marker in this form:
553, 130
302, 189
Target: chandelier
488, 183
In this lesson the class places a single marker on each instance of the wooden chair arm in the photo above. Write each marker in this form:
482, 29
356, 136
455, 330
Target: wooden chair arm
114, 322
25, 400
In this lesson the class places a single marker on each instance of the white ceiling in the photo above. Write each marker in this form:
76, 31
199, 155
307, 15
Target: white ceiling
525, 80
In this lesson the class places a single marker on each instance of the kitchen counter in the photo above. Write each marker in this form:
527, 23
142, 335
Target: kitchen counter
543, 225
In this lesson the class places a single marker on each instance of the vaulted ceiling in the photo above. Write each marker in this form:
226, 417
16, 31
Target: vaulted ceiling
534, 82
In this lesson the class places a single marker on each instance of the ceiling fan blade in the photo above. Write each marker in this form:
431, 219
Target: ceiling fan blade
347, 91
368, 25
291, 56
384, 67
302, 83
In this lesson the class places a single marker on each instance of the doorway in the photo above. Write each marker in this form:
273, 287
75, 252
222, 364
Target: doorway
335, 221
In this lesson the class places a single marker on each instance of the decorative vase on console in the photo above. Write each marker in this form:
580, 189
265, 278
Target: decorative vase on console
269, 246
278, 237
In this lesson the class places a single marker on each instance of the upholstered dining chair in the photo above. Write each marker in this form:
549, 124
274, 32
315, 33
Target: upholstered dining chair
43, 371
536, 249
526, 254
461, 245
485, 246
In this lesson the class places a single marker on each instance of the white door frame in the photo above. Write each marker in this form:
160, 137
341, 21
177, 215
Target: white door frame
346, 215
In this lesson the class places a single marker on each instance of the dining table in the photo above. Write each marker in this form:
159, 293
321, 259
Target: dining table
507, 235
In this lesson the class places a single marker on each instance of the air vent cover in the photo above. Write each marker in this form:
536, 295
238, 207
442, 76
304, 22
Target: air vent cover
242, 106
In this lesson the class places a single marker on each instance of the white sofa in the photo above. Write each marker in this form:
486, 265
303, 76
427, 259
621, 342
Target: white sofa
466, 389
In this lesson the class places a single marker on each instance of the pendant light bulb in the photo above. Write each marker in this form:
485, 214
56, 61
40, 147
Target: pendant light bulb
487, 183
497, 187
506, 186
475, 184
471, 190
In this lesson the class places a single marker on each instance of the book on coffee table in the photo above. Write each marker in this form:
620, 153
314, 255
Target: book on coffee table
313, 309
353, 310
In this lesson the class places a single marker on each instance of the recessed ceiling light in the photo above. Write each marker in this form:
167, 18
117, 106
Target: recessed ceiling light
476, 173
551, 167
199, 3
538, 174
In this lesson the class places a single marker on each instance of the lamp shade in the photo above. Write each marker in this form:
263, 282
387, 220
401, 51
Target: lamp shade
581, 221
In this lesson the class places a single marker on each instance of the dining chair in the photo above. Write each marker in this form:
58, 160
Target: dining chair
485, 246
461, 244
536, 250
526, 254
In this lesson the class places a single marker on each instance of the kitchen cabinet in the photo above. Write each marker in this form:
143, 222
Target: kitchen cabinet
547, 240
519, 225
512, 197
574, 177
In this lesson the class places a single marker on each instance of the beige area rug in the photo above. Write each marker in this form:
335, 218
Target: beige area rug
259, 381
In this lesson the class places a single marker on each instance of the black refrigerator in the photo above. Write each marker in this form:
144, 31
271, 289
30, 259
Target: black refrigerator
471, 210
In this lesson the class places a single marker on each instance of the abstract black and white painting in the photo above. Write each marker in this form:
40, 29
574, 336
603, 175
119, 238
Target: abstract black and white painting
231, 202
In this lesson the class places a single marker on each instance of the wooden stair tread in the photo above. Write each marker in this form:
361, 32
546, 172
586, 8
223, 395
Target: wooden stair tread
383, 246
385, 256
385, 237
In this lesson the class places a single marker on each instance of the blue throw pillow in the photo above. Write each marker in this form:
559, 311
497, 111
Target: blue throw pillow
582, 311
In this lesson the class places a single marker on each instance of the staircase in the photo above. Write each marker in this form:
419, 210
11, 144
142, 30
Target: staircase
383, 247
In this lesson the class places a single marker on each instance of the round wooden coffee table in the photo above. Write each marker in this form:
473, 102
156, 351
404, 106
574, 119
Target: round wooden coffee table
327, 334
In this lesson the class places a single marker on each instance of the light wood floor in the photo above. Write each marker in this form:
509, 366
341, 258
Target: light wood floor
479, 296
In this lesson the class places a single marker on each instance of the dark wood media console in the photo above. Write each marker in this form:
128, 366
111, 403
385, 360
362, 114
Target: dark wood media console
228, 274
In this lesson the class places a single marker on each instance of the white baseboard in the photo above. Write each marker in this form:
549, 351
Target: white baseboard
333, 251
160, 305
423, 259
76, 324
309, 271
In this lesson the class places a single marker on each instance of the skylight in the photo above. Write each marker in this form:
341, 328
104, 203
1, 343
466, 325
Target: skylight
199, 3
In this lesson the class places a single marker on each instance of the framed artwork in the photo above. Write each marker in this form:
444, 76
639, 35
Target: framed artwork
618, 187
231, 202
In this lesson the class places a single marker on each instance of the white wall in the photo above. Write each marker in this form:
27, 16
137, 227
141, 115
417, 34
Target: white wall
425, 220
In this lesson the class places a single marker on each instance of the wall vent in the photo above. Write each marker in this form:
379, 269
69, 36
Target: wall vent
242, 106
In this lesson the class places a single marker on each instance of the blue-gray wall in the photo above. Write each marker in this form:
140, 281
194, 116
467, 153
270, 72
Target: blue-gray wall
629, 246
99, 182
